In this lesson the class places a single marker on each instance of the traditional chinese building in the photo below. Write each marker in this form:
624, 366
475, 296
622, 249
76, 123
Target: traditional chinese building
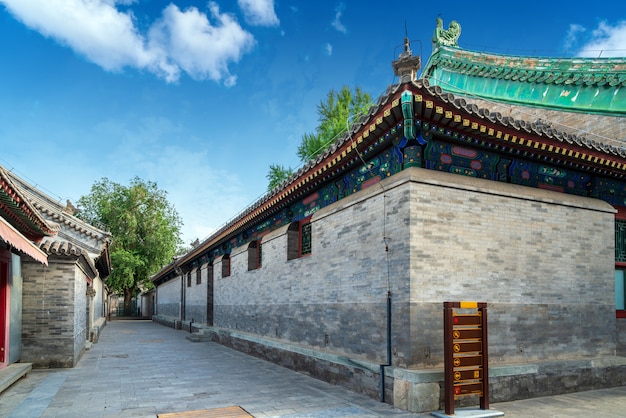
21, 228
63, 307
467, 183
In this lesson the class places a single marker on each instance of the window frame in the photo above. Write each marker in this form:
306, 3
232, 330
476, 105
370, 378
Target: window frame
255, 261
226, 265
294, 239
306, 222
620, 216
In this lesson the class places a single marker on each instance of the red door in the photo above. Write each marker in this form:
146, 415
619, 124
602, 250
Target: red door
4, 308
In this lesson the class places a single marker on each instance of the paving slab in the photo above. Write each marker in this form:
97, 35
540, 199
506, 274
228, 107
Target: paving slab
143, 369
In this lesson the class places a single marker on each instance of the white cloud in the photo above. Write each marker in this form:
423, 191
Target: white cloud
336, 23
179, 41
573, 32
259, 12
189, 40
329, 49
605, 40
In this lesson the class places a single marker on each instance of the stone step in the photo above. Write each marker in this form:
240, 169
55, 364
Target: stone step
12, 373
195, 337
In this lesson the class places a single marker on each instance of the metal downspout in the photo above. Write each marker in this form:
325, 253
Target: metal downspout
382, 366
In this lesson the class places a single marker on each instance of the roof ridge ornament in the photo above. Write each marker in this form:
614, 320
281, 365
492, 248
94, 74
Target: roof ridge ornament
447, 37
407, 65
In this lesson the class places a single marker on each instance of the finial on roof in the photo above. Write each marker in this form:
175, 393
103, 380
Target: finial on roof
447, 37
69, 208
406, 66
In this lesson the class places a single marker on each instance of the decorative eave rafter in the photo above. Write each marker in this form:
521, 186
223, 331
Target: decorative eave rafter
55, 212
19, 212
329, 165
499, 133
582, 85
451, 117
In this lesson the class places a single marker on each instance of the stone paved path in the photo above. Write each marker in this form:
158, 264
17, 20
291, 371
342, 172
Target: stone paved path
141, 369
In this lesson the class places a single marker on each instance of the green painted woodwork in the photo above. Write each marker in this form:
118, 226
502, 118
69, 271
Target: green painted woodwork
620, 289
407, 113
306, 238
596, 86
448, 36
435, 148
620, 241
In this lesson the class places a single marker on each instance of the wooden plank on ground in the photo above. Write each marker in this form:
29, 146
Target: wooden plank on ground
226, 412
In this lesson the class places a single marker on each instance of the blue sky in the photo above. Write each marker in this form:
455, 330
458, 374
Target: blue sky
201, 97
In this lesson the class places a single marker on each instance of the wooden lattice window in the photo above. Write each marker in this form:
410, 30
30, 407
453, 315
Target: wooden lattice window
189, 279
254, 255
620, 263
299, 239
198, 276
620, 241
305, 238
226, 265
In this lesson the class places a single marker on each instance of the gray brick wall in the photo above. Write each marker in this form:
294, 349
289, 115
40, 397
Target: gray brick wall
621, 336
53, 313
98, 300
333, 300
196, 297
169, 298
80, 313
543, 261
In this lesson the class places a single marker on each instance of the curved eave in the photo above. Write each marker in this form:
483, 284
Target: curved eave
445, 111
20, 213
74, 223
162, 275
13, 238
330, 164
596, 86
499, 132
54, 211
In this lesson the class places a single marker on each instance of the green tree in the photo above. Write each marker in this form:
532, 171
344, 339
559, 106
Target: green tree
277, 175
335, 114
145, 231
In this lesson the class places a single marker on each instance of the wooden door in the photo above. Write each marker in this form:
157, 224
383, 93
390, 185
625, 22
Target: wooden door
4, 307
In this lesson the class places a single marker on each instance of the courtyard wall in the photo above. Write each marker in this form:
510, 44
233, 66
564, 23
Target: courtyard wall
543, 261
169, 299
54, 312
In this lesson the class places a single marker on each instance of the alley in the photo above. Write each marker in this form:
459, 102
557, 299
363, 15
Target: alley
142, 369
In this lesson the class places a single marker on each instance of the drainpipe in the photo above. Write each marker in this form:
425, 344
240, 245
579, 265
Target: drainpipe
382, 366
183, 296
181, 303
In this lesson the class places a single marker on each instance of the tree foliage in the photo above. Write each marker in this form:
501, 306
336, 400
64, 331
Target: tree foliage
277, 175
145, 231
335, 114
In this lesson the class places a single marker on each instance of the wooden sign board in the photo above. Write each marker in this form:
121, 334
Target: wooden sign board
465, 351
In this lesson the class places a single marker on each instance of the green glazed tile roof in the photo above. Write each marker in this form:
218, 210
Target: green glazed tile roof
586, 85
